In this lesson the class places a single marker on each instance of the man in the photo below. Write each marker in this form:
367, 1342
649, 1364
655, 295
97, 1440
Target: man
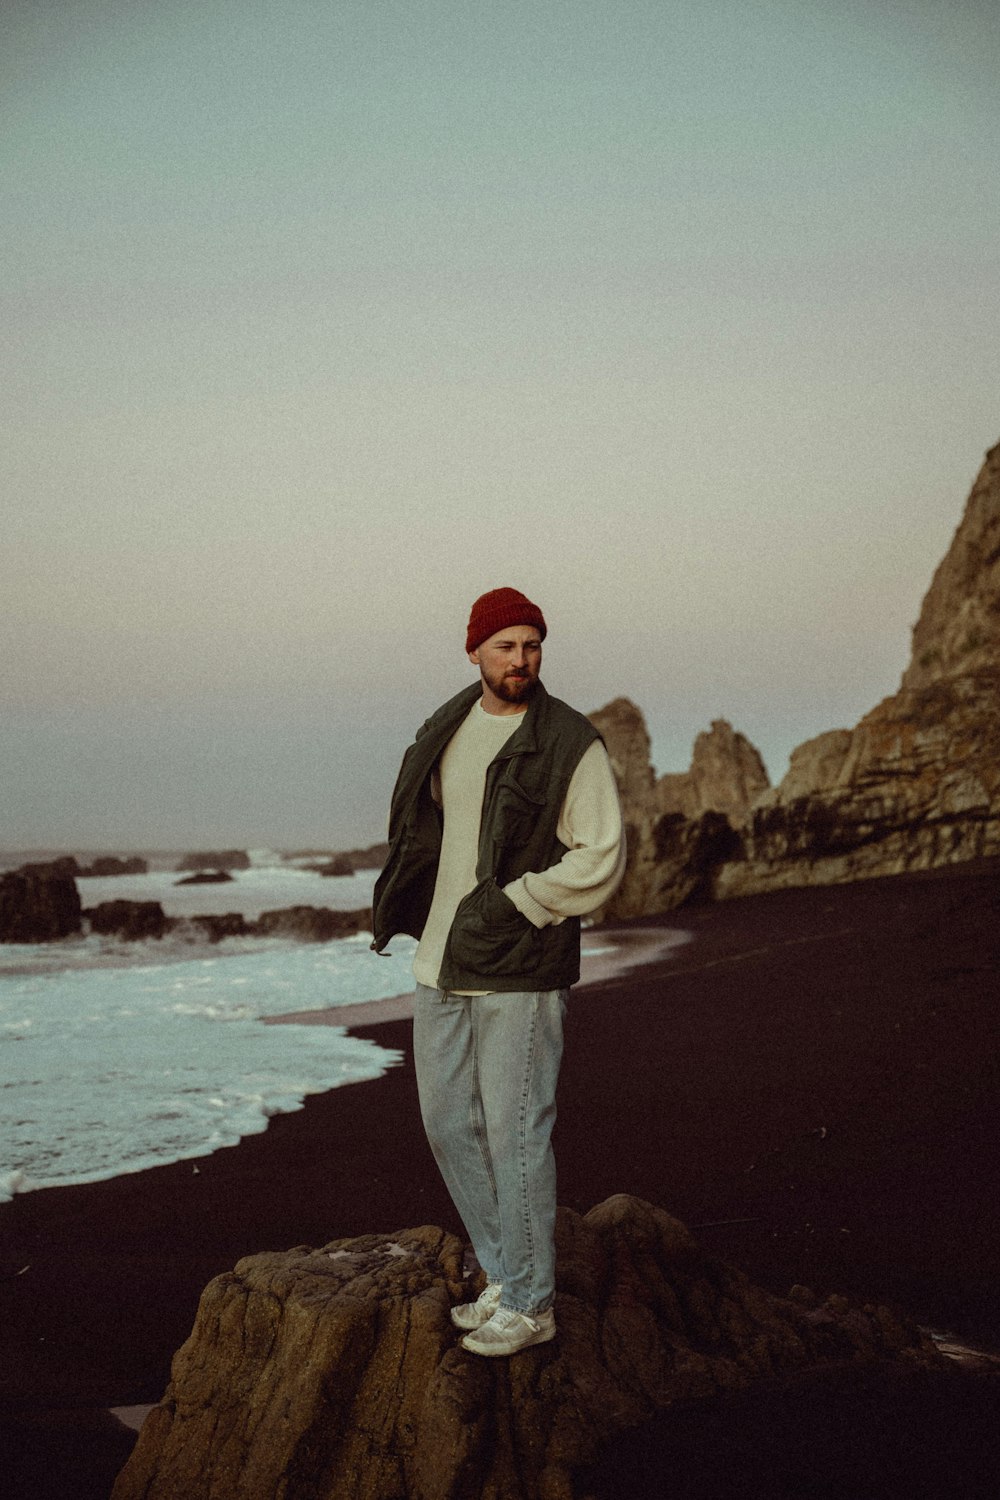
505, 829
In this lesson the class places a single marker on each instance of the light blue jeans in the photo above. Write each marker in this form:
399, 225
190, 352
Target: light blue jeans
487, 1068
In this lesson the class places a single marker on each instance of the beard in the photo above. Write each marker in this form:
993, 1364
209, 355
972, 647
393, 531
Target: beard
510, 687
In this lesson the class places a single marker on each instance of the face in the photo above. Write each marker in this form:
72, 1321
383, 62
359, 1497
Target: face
509, 663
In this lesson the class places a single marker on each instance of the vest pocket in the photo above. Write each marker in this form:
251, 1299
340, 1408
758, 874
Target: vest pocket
516, 814
489, 936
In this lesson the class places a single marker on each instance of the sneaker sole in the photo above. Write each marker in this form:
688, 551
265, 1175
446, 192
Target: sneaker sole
492, 1352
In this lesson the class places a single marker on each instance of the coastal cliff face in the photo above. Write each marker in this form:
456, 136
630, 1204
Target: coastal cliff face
915, 785
679, 827
335, 1374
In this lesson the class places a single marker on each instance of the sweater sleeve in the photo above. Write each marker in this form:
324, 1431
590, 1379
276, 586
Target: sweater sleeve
590, 825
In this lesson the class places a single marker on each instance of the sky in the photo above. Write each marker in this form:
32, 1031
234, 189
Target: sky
323, 317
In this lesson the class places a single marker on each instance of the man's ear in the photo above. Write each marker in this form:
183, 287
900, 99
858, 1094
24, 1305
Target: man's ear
474, 657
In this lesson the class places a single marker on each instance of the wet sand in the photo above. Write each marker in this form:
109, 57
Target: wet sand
812, 1083
607, 954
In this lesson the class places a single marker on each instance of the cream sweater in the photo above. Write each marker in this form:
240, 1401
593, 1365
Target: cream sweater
590, 825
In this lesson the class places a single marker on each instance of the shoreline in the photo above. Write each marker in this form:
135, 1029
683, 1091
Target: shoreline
631, 948
811, 1085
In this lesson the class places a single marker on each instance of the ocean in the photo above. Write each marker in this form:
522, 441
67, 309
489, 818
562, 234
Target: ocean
119, 1056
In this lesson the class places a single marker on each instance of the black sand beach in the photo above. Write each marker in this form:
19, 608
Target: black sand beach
812, 1084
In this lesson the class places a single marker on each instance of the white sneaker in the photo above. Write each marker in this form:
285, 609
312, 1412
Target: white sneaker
508, 1331
475, 1314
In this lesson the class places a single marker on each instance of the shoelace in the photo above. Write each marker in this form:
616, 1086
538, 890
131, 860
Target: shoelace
504, 1317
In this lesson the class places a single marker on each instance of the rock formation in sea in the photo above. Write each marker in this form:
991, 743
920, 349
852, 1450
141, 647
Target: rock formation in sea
679, 827
311, 924
916, 784
110, 864
335, 865
38, 904
136, 921
335, 1374
132, 921
223, 859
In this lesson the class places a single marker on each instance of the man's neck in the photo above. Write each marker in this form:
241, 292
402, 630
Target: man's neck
499, 706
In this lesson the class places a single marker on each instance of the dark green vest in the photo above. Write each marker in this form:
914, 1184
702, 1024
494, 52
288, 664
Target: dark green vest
491, 946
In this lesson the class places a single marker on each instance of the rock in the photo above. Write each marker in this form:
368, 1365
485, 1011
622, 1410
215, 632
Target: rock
110, 864
727, 775
215, 928
39, 904
677, 828
338, 864
335, 1374
227, 859
371, 858
205, 877
64, 864
132, 921
311, 924
916, 784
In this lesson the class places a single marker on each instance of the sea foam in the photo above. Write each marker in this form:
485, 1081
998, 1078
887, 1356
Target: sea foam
115, 1057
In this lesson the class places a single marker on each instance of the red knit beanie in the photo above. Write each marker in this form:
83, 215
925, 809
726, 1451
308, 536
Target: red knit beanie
498, 609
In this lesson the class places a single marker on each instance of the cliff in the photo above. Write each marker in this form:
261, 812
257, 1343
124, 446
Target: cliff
335, 1374
679, 827
915, 785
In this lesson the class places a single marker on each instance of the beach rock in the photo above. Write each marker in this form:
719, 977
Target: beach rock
335, 1374
337, 865
681, 827
110, 864
311, 924
727, 775
39, 904
132, 921
226, 859
63, 864
215, 928
206, 877
373, 857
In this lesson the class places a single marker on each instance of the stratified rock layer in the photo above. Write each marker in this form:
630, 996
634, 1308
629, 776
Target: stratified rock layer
917, 783
679, 828
335, 1374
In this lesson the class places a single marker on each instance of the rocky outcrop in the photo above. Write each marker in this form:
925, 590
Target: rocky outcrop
132, 921
917, 783
137, 921
110, 864
225, 859
205, 877
914, 785
726, 776
38, 904
337, 864
335, 1374
63, 864
311, 924
679, 828
227, 925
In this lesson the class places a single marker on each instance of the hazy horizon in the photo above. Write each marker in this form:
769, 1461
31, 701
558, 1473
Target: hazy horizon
324, 319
